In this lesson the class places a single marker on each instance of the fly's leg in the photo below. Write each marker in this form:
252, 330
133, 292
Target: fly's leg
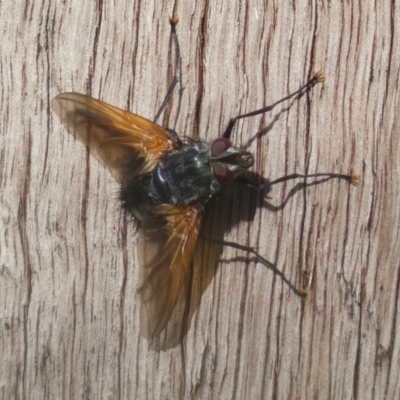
353, 178
318, 77
177, 67
175, 136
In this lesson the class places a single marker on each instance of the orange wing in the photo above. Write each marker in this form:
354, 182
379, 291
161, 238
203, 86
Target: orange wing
113, 135
167, 241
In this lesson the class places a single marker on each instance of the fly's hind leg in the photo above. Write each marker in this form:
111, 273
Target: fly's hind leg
177, 77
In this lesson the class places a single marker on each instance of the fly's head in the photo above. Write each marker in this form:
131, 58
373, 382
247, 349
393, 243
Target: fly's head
228, 161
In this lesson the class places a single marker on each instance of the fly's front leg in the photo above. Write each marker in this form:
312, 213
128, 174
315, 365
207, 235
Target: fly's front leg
318, 77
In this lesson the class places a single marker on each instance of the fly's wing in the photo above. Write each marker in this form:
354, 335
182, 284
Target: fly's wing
167, 241
113, 135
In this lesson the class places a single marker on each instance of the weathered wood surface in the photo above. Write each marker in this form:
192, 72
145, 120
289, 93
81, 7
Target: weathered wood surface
68, 304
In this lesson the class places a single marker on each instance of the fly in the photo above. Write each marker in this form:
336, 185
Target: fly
165, 184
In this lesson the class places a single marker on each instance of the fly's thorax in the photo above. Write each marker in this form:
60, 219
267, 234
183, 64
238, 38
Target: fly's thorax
182, 177
186, 176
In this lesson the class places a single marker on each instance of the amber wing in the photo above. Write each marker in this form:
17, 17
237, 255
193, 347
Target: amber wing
113, 135
167, 241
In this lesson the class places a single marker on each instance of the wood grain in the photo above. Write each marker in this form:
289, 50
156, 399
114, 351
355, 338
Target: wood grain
69, 310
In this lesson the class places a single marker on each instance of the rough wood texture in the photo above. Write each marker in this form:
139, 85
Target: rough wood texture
68, 303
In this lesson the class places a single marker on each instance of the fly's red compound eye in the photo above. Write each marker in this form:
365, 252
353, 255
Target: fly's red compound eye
222, 175
219, 146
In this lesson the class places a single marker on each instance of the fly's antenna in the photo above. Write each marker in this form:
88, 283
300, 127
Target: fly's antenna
317, 78
177, 67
